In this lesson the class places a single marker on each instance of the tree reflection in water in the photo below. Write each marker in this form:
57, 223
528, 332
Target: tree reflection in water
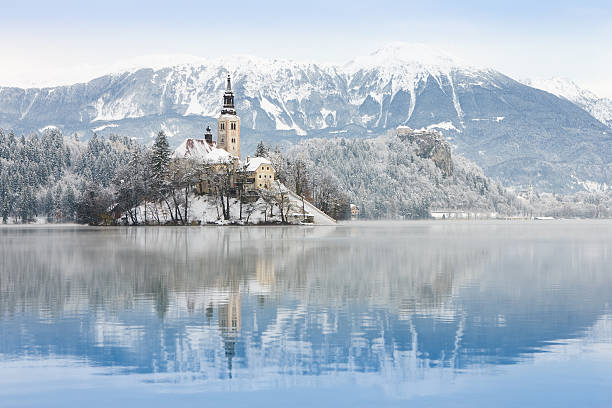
395, 300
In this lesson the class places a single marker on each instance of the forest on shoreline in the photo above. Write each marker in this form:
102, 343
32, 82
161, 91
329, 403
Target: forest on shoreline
67, 180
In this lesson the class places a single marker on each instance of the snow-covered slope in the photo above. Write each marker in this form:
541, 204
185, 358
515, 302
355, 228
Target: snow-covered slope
272, 94
516, 133
600, 108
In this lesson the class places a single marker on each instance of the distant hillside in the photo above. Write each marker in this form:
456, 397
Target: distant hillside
517, 134
389, 177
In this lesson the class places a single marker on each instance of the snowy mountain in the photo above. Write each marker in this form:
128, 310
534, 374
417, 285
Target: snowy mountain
518, 134
600, 108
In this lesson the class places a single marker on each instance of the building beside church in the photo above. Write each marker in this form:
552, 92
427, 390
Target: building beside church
224, 153
259, 173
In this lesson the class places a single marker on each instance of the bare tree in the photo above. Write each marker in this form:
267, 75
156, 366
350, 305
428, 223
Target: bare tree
300, 177
283, 202
221, 179
191, 174
268, 200
173, 189
249, 209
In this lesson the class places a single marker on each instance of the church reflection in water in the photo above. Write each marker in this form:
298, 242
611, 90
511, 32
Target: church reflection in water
223, 303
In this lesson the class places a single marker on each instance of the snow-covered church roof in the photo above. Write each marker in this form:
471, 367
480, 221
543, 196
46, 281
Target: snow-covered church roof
254, 162
200, 150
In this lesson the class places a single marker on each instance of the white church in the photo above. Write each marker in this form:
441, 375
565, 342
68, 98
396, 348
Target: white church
256, 172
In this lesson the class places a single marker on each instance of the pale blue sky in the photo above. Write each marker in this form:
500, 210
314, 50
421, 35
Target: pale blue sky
63, 41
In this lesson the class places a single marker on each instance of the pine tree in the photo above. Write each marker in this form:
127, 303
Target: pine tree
5, 195
261, 150
4, 145
57, 201
68, 203
47, 204
160, 158
27, 205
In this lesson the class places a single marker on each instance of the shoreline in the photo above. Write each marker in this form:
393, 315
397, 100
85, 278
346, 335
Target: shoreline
339, 223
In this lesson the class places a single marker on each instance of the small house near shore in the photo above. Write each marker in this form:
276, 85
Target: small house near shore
259, 173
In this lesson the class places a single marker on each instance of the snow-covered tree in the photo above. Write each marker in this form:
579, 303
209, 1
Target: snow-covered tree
261, 150
160, 157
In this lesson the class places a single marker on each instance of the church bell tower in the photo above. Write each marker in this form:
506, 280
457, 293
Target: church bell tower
228, 123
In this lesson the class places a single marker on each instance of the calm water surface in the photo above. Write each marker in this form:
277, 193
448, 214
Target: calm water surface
466, 314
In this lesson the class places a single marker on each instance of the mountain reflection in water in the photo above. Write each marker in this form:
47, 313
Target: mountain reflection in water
270, 308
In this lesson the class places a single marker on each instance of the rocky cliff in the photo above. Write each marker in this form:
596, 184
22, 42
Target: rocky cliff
430, 145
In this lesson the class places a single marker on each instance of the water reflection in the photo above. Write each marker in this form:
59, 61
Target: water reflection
276, 306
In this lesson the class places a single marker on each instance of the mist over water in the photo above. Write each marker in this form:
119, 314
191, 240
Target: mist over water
362, 314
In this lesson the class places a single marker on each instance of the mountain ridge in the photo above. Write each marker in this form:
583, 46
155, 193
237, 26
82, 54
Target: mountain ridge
518, 134
599, 108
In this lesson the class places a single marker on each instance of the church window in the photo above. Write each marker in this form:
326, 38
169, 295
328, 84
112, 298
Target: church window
222, 126
260, 176
233, 126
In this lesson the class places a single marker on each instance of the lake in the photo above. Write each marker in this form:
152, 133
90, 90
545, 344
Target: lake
372, 314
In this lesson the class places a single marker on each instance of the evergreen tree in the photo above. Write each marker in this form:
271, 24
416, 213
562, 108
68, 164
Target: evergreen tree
5, 195
160, 166
68, 203
261, 150
47, 204
57, 201
4, 145
160, 157
27, 205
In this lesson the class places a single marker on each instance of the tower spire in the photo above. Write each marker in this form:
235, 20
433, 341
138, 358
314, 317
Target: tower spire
229, 123
228, 99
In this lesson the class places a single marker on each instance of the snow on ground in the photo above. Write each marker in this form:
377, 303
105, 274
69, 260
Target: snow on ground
320, 218
206, 210
37, 221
